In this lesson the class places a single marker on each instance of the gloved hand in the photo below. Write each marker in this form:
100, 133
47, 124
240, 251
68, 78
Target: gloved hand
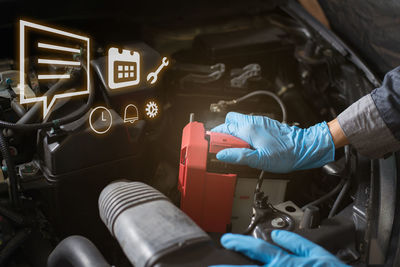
305, 253
278, 147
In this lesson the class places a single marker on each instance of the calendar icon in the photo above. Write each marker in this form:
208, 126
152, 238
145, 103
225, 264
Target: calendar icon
123, 68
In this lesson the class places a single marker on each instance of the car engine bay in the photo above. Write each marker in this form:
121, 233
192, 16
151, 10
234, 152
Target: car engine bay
133, 184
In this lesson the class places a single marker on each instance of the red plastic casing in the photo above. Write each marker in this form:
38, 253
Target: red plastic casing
206, 197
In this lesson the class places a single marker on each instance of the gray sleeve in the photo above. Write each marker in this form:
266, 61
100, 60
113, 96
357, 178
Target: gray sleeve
366, 130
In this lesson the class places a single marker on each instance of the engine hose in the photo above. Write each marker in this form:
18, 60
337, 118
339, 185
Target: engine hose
55, 123
18, 108
340, 198
32, 113
12, 174
12, 216
327, 196
346, 186
13, 245
76, 251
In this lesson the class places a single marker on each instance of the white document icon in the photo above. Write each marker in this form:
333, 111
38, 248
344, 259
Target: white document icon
123, 68
56, 52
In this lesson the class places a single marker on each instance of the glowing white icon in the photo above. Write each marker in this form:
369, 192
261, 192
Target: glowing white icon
123, 68
102, 117
151, 109
131, 113
100, 120
153, 76
52, 52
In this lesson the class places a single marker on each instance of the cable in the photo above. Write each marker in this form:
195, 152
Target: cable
346, 187
257, 192
339, 199
12, 174
268, 93
260, 182
343, 186
217, 107
57, 122
327, 196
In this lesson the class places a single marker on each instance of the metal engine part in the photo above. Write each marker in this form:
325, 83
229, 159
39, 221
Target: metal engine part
241, 76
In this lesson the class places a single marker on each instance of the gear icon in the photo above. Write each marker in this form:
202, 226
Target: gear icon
151, 109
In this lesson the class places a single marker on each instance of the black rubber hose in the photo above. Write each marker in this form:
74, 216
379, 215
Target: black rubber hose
18, 108
76, 251
55, 123
11, 215
13, 245
33, 112
339, 199
346, 187
12, 174
327, 196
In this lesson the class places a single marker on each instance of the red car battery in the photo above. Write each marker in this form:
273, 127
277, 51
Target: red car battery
206, 196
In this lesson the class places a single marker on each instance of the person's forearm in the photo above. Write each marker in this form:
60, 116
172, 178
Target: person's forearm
338, 136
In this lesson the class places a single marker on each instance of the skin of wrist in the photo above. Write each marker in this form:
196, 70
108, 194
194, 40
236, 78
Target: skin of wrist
338, 136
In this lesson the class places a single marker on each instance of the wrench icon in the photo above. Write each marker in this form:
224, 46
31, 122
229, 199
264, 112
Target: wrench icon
152, 76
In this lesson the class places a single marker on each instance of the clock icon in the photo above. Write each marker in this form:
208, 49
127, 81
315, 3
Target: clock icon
100, 120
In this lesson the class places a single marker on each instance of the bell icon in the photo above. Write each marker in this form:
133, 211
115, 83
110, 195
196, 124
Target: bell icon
131, 113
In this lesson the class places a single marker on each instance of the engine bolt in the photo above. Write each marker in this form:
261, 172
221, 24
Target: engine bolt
278, 222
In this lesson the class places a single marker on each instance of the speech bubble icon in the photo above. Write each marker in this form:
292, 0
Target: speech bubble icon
50, 55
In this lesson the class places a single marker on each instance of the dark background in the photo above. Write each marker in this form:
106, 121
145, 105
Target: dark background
371, 27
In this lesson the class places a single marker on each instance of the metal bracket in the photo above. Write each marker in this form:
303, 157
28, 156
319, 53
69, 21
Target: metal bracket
244, 74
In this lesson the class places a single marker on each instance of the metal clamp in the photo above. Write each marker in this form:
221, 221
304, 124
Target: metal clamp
209, 73
244, 74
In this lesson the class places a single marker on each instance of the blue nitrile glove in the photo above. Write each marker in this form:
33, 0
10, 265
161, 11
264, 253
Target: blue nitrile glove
305, 252
278, 147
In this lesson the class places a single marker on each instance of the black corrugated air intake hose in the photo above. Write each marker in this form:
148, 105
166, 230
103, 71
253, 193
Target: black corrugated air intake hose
154, 232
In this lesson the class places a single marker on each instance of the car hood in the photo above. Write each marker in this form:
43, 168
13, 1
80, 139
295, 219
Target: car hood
370, 27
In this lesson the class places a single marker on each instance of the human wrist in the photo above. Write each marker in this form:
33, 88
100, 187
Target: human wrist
338, 136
